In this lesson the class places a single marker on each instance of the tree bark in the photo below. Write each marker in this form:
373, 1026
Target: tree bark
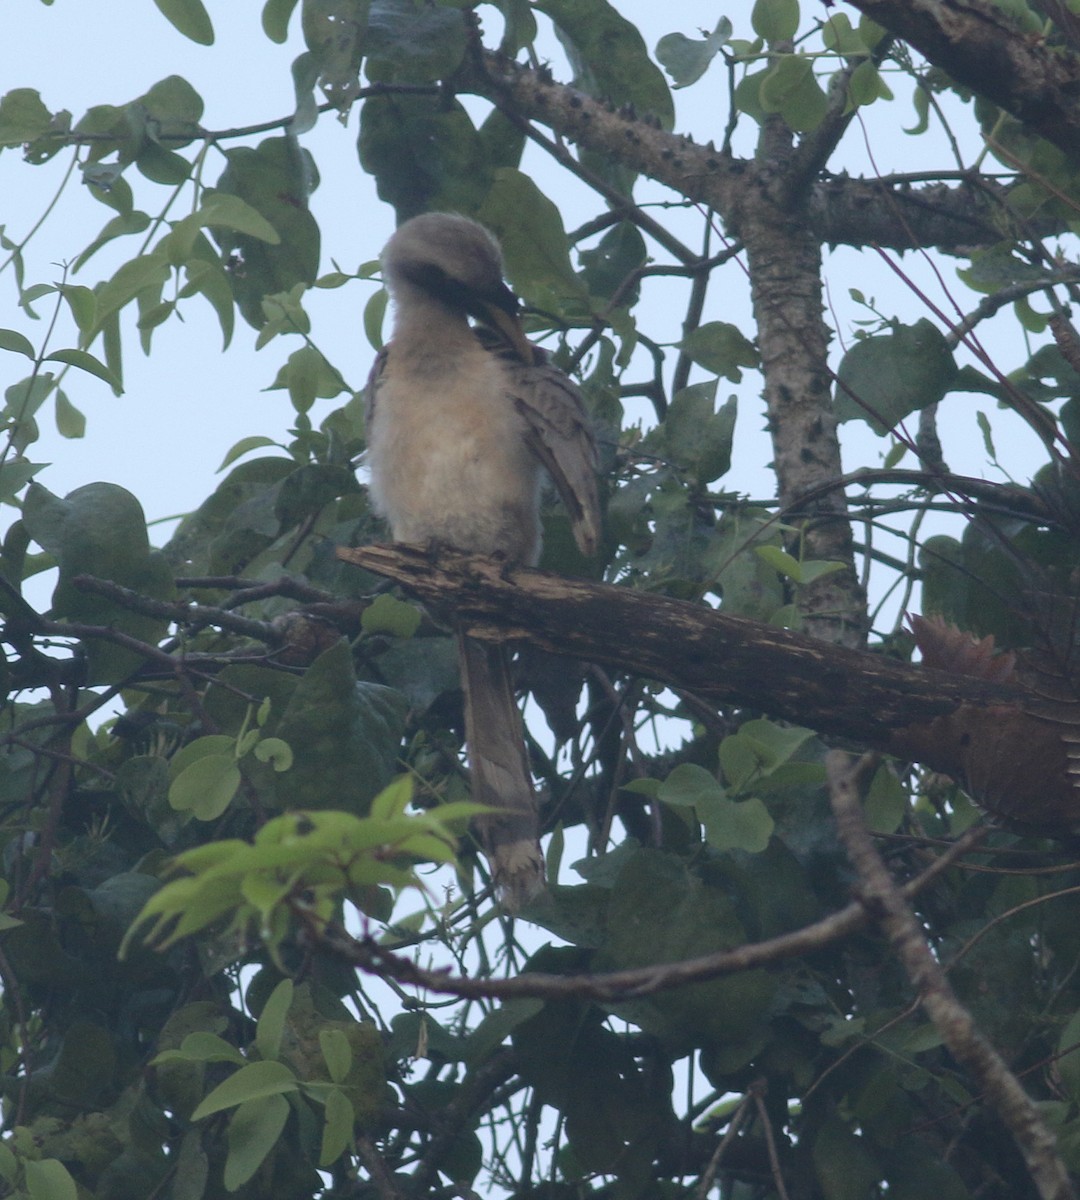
1001, 740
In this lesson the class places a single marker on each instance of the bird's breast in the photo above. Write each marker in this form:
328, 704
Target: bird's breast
449, 461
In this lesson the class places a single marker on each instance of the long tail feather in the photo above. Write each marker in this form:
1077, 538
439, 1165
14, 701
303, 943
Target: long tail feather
500, 771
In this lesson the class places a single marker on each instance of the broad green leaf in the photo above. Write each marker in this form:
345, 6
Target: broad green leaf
338, 1119
736, 825
231, 212
387, 614
256, 1080
424, 152
48, 1179
206, 788
11, 340
100, 530
204, 1046
23, 117
722, 348
694, 435
775, 20
609, 57
405, 43
254, 1130
535, 246
190, 18
271, 1021
345, 735
884, 378
687, 59
275, 19
886, 802
275, 179
791, 89
86, 362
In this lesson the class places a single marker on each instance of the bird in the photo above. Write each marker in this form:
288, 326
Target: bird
465, 418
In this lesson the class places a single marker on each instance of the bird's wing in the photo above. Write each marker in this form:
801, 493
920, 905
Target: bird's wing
372, 385
560, 435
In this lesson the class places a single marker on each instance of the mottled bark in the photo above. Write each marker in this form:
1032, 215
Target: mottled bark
1007, 743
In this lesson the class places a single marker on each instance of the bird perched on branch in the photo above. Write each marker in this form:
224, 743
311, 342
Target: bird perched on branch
463, 423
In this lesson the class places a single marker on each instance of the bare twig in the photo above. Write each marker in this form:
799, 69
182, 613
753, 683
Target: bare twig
885, 902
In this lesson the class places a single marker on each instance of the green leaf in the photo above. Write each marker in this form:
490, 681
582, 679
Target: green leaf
275, 19
883, 379
609, 57
336, 1052
721, 348
687, 59
425, 154
70, 421
387, 614
253, 1082
274, 751
86, 362
535, 246
245, 446
190, 18
775, 20
406, 43
100, 530
23, 117
206, 788
11, 340
254, 1130
231, 212
338, 1117
791, 89
48, 1179
345, 735
271, 1023
275, 178
886, 802
695, 436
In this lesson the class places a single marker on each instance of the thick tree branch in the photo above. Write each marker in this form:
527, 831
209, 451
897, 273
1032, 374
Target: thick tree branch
891, 213
884, 900
1002, 740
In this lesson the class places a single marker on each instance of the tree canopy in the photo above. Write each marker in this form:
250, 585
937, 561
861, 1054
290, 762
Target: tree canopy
247, 946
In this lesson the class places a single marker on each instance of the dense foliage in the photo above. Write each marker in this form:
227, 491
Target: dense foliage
257, 746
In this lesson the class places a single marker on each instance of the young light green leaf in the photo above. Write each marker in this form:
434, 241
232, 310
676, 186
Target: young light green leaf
336, 1052
339, 1117
254, 1130
256, 1080
206, 787
271, 1022
48, 1179
274, 751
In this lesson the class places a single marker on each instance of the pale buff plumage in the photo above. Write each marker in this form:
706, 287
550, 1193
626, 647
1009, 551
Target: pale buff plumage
462, 425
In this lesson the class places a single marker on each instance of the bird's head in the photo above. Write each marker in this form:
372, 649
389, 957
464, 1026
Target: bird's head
457, 262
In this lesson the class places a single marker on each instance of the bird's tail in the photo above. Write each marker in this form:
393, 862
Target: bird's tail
500, 771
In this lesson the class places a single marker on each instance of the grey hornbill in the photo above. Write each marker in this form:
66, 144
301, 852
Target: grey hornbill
463, 423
